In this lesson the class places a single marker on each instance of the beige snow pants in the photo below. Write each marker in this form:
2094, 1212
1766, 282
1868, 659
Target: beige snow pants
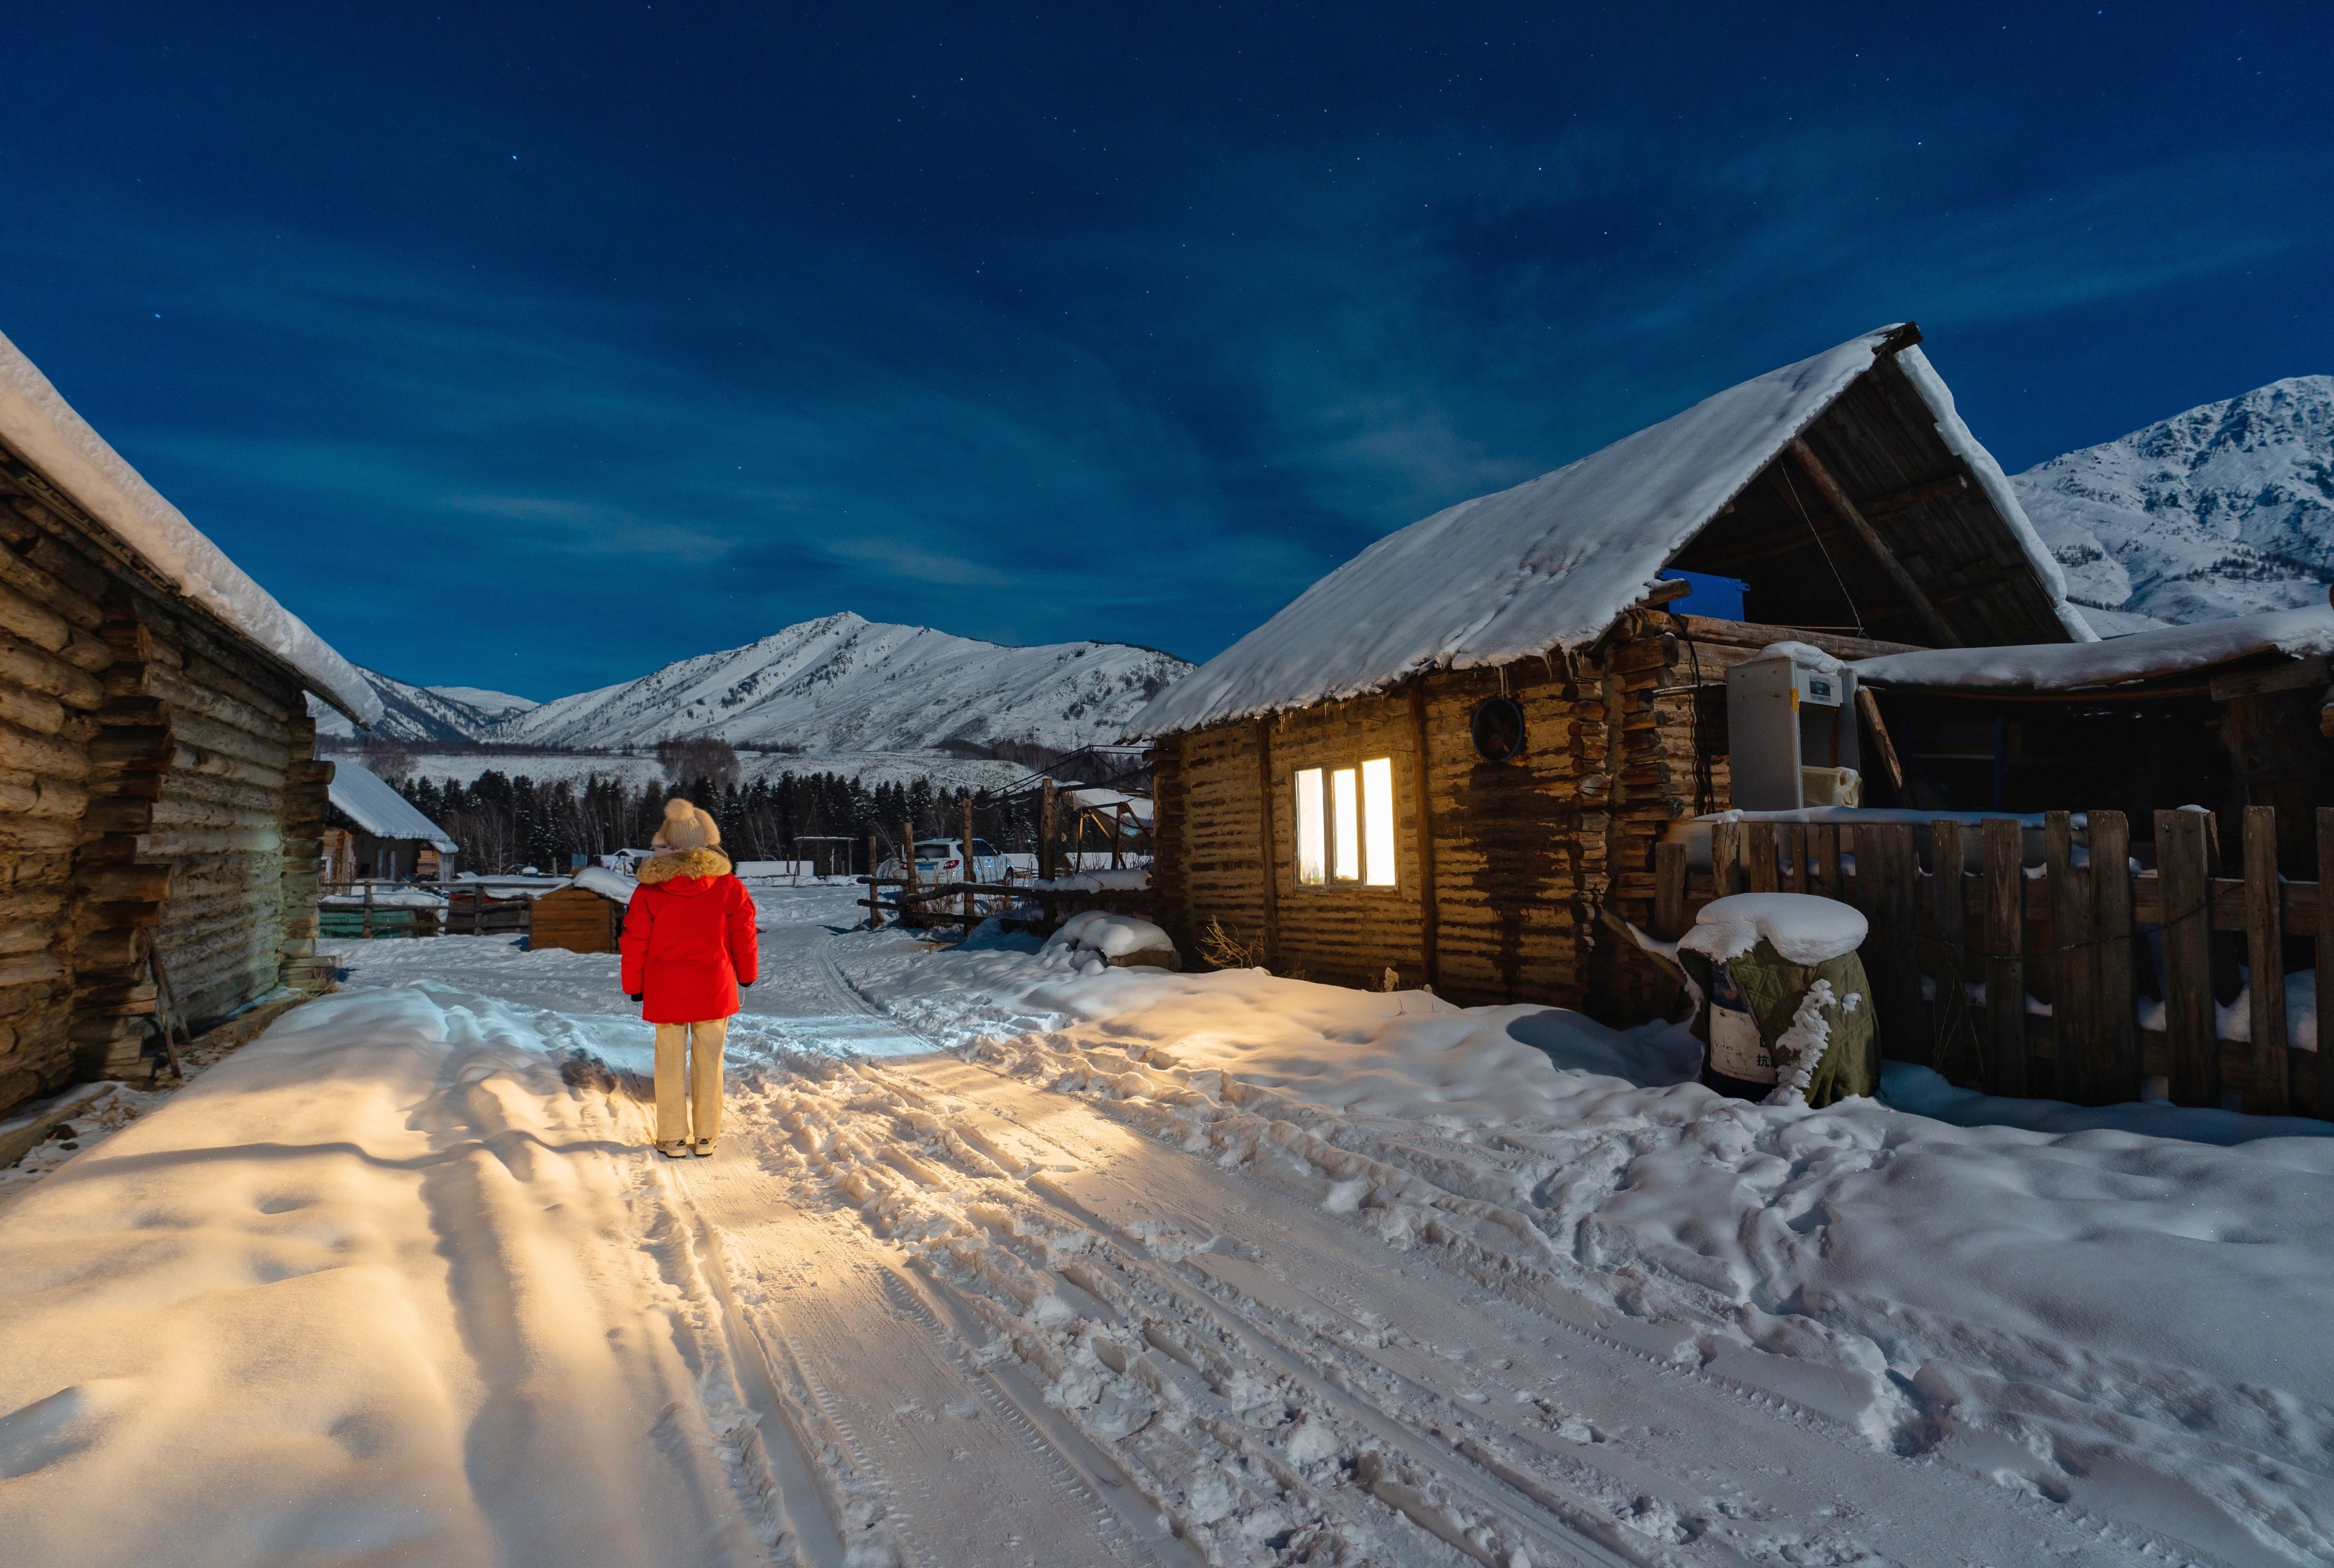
689, 1080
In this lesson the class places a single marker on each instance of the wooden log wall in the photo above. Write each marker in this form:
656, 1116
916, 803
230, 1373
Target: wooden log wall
1518, 857
155, 791
2061, 974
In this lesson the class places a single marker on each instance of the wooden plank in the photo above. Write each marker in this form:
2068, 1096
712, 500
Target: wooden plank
1896, 922
2265, 956
1669, 890
2290, 675
1867, 708
1950, 1032
1725, 857
2005, 964
2297, 904
2322, 1104
1758, 839
1934, 489
2073, 958
1792, 839
2183, 868
1905, 583
1429, 911
1823, 851
2111, 1065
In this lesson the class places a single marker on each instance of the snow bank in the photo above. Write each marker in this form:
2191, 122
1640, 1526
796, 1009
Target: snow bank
42, 428
1112, 936
2081, 666
1548, 564
1123, 880
1802, 927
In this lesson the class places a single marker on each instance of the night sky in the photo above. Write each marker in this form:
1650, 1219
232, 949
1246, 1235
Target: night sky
533, 347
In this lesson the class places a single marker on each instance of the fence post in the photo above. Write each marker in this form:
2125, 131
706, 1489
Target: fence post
2321, 1104
1791, 838
2005, 957
966, 856
1046, 807
874, 893
2071, 960
1669, 890
368, 914
2183, 877
2265, 955
1949, 931
1725, 858
2111, 1070
1893, 910
1823, 848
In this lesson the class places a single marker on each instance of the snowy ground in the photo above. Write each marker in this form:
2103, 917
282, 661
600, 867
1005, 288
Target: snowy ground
1003, 1264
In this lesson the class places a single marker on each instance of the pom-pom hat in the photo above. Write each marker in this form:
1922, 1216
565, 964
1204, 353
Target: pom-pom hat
686, 828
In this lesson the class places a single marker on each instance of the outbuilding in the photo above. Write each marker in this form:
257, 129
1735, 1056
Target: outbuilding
1447, 758
158, 795
586, 915
383, 836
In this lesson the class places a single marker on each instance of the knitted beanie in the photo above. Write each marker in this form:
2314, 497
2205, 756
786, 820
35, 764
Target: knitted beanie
686, 828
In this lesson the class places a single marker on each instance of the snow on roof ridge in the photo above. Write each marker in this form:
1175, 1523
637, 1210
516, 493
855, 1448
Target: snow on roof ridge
1550, 564
44, 430
371, 802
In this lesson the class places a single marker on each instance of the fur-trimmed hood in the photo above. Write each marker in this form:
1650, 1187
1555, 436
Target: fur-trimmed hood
687, 863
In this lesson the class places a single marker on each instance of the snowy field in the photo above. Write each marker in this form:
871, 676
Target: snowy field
1000, 1263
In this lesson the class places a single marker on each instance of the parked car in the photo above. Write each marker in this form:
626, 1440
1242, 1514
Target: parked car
942, 861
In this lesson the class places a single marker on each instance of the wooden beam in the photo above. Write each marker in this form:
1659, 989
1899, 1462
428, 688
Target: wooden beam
1836, 498
2290, 675
1896, 501
1867, 708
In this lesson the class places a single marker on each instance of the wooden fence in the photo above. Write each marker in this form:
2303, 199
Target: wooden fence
2078, 979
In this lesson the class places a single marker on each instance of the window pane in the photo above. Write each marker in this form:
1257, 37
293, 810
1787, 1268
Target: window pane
1343, 789
1377, 821
1312, 831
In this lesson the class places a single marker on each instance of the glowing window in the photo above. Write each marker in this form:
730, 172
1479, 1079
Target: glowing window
1312, 831
1344, 787
1378, 821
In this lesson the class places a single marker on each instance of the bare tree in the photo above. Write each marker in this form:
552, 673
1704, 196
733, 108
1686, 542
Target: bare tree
691, 759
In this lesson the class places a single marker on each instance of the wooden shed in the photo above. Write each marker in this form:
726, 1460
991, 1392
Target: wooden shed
157, 791
1449, 757
587, 915
386, 837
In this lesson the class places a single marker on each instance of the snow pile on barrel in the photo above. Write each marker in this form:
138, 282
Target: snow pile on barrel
1802, 929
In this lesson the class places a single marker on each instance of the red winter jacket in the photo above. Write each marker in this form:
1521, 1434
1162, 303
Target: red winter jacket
688, 939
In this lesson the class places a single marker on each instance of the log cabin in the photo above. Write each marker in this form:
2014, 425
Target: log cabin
160, 803
1446, 761
383, 836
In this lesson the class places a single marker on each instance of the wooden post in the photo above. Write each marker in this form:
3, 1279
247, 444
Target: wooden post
2072, 965
2005, 962
1867, 708
874, 893
1792, 839
2111, 1065
1048, 801
2183, 878
1118, 837
1949, 930
1669, 890
2322, 1101
2266, 955
368, 914
965, 849
1268, 789
1725, 857
1430, 913
1760, 839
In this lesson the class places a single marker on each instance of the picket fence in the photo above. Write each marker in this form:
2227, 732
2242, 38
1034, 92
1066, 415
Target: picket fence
2079, 978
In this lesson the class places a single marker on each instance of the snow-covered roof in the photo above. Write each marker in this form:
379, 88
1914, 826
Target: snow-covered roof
366, 798
1552, 563
2089, 666
45, 431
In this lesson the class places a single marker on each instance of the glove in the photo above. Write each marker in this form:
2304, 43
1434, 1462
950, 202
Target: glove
640, 996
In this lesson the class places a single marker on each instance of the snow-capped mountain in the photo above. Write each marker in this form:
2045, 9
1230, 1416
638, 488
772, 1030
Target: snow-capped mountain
844, 684
409, 712
2224, 510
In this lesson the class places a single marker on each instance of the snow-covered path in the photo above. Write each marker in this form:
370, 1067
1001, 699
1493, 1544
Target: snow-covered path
976, 1281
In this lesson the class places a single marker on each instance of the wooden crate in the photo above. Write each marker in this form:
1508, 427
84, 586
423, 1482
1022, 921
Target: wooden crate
577, 919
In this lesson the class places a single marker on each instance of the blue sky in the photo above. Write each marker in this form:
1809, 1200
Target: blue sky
533, 347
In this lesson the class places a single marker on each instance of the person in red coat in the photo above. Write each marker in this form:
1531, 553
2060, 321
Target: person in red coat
688, 943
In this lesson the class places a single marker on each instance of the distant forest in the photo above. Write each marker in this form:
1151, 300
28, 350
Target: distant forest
506, 824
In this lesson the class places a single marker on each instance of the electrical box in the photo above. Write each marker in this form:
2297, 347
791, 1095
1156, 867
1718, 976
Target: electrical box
1791, 734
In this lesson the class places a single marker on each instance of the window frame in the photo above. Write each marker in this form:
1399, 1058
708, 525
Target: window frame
1318, 827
